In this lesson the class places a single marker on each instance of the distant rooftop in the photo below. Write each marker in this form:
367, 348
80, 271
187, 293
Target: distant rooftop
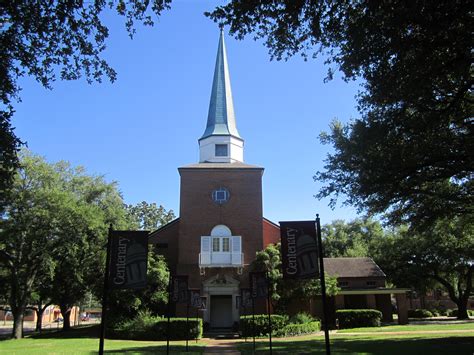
352, 267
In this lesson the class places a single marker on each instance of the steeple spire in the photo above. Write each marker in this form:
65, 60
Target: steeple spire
221, 128
221, 117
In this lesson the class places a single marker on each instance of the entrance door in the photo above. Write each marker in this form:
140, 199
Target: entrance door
221, 312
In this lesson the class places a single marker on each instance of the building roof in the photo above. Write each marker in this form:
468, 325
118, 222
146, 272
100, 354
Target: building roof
221, 117
163, 227
352, 267
236, 165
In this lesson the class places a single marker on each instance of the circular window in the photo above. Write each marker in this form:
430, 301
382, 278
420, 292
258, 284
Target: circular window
221, 195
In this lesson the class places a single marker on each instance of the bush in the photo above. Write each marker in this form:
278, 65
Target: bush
299, 329
261, 324
146, 327
355, 318
419, 313
301, 318
454, 313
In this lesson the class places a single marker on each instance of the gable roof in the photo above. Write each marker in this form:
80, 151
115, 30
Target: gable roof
352, 267
167, 225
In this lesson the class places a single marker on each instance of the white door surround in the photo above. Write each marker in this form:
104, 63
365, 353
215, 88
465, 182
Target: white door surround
221, 285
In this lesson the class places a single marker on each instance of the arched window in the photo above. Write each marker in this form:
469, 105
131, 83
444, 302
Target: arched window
221, 231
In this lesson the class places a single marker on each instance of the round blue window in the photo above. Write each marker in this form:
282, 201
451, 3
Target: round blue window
221, 195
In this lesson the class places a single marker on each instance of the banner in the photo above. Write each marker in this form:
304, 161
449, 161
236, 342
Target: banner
299, 250
128, 259
179, 289
245, 298
258, 285
195, 298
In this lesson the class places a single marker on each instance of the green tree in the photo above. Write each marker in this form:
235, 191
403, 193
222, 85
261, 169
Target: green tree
358, 238
125, 304
149, 216
409, 155
50, 39
283, 290
55, 225
442, 254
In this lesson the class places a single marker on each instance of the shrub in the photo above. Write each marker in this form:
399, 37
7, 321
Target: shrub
355, 318
301, 318
261, 324
454, 313
419, 313
155, 328
299, 329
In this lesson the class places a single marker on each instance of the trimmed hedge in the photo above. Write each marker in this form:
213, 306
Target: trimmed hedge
280, 326
155, 328
261, 324
419, 313
299, 329
357, 318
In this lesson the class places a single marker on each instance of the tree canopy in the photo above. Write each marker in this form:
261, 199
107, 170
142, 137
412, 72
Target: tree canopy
50, 39
442, 254
53, 230
409, 155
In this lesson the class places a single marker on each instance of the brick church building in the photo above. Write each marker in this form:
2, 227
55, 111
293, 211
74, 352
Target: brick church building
221, 224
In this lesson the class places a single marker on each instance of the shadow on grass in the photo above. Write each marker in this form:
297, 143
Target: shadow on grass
158, 349
357, 345
86, 331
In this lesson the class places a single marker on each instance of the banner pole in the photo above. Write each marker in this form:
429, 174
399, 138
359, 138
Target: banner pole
253, 323
269, 312
323, 285
187, 323
105, 293
169, 311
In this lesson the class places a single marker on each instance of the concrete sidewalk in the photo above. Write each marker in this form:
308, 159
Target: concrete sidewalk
224, 346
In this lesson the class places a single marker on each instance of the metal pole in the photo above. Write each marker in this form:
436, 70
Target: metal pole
323, 285
105, 293
168, 324
187, 324
253, 322
269, 313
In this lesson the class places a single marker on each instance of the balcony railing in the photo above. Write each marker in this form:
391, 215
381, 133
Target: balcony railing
220, 259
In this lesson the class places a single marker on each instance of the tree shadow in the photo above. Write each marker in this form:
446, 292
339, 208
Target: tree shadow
159, 349
357, 345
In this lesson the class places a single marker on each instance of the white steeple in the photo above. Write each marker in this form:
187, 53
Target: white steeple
221, 142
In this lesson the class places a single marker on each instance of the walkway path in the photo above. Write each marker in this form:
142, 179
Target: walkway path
215, 346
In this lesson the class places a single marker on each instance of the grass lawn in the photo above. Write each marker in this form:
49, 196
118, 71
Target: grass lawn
84, 341
458, 344
409, 327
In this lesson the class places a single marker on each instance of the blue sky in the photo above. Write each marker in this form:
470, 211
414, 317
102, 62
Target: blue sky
140, 129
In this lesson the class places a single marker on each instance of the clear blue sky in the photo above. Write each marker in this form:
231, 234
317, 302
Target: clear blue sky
140, 129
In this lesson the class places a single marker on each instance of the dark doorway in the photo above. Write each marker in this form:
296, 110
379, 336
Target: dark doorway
221, 312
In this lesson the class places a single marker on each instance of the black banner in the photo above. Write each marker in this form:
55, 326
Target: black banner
128, 259
195, 298
245, 298
258, 285
299, 250
179, 289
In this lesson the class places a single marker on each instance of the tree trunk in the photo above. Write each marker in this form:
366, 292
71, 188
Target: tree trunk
18, 313
462, 309
66, 313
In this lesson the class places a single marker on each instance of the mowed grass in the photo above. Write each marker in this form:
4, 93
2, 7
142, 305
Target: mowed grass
458, 344
84, 341
468, 325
